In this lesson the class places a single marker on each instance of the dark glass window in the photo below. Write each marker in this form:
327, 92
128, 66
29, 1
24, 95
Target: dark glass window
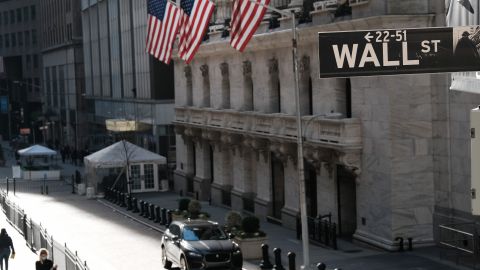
7, 41
19, 15
33, 13
5, 17
14, 39
12, 16
20, 38
34, 37
1, 41
25, 14
35, 61
27, 38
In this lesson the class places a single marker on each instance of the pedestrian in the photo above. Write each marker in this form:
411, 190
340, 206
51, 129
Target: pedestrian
6, 245
43, 262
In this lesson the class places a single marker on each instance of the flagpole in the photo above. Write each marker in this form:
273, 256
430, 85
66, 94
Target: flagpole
300, 168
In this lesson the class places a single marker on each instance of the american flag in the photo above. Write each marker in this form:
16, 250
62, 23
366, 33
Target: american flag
246, 16
195, 18
163, 25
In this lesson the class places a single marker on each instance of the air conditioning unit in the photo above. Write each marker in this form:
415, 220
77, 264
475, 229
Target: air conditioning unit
475, 159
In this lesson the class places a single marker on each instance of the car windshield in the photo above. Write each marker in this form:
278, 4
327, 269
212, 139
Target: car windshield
203, 233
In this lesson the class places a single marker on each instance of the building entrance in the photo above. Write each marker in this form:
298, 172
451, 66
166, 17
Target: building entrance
347, 202
278, 187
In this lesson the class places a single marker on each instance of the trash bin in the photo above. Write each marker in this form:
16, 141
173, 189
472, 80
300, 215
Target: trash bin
90, 193
81, 189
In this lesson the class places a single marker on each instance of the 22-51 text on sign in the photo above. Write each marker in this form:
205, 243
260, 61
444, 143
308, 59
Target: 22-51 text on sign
399, 51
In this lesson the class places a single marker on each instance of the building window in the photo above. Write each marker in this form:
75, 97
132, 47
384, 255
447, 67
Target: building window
20, 39
35, 61
5, 17
1, 21
148, 171
33, 13
25, 14
1, 41
68, 6
12, 16
135, 174
14, 39
28, 61
36, 83
27, 38
34, 37
7, 41
19, 15
29, 86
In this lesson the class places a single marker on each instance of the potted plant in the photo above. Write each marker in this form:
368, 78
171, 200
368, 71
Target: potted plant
250, 238
182, 211
233, 222
195, 210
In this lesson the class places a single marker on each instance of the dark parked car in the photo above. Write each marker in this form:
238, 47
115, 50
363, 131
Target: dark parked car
199, 244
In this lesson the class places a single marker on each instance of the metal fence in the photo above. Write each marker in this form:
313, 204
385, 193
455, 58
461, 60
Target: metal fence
320, 231
37, 237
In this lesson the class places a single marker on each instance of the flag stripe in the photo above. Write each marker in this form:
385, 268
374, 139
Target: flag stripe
246, 17
195, 18
163, 26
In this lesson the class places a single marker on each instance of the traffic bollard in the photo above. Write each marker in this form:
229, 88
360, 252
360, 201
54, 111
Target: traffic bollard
321, 266
46, 190
400, 243
291, 260
129, 203
265, 263
157, 214
278, 259
142, 208
135, 205
146, 213
169, 218
163, 220
152, 212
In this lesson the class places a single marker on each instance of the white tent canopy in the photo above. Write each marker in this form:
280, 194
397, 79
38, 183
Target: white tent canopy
36, 150
117, 154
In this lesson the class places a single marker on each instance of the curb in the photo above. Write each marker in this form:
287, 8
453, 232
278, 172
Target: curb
126, 214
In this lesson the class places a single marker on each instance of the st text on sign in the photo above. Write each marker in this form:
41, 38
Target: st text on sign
399, 51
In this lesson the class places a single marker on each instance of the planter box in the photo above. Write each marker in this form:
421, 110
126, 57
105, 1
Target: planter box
176, 217
251, 247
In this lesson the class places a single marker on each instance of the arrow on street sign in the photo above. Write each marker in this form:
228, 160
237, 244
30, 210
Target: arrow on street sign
368, 37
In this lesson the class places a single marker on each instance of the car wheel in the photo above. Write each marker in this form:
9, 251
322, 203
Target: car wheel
166, 263
183, 264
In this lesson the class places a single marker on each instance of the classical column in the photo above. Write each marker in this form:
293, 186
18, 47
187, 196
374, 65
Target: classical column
263, 171
203, 175
306, 106
222, 171
273, 97
225, 85
248, 95
205, 101
291, 208
188, 85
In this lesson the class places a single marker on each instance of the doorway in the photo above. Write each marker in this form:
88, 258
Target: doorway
347, 202
311, 190
278, 187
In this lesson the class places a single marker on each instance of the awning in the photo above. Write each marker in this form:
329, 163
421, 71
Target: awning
36, 150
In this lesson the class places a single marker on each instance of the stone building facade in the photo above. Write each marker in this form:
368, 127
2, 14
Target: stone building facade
63, 71
122, 82
386, 156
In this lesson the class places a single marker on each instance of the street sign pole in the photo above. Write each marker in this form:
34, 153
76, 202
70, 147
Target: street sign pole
300, 168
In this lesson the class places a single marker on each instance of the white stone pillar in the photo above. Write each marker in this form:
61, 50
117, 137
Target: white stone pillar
263, 187
291, 208
203, 173
242, 173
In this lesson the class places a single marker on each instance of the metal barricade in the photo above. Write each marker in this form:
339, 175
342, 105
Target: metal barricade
37, 237
460, 240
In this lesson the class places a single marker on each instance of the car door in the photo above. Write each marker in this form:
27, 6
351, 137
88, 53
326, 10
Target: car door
173, 246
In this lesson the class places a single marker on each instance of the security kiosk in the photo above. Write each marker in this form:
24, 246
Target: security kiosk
475, 159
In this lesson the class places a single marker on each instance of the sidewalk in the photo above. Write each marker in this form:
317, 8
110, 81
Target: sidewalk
109, 237
24, 257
